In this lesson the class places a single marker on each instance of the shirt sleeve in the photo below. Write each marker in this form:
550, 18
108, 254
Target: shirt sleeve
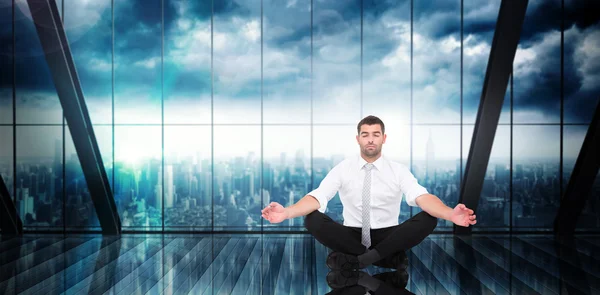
410, 187
328, 187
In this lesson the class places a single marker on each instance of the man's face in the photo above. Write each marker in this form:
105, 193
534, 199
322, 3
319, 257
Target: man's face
370, 140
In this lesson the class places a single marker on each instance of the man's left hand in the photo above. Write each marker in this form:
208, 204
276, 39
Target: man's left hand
463, 216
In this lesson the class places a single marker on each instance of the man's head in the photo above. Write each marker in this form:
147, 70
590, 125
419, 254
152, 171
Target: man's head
371, 136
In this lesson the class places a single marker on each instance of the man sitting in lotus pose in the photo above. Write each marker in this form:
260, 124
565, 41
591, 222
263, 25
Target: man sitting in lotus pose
370, 187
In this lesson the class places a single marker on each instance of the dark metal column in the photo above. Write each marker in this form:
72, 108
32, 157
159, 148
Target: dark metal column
504, 47
581, 181
9, 219
58, 56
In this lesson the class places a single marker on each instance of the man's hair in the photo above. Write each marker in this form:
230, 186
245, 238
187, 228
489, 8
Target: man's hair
371, 120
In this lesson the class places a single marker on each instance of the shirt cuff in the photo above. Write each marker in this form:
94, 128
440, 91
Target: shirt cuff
411, 197
322, 200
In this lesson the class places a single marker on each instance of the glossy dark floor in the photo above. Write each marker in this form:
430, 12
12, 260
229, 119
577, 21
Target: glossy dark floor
293, 264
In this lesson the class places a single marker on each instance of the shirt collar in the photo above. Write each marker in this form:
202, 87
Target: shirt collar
378, 163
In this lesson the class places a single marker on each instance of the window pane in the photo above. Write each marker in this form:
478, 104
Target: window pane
573, 137
37, 102
536, 191
436, 61
6, 158
436, 164
137, 42
80, 210
494, 204
236, 59
137, 191
286, 171
573, 141
286, 62
39, 176
479, 26
336, 61
6, 62
236, 182
536, 66
187, 62
188, 178
581, 61
88, 25
386, 62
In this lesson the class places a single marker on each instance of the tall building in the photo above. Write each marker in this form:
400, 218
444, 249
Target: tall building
502, 174
291, 201
519, 173
194, 188
58, 158
187, 182
206, 189
24, 196
157, 194
169, 188
33, 184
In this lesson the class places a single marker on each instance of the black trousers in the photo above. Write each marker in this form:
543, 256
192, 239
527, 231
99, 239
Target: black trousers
387, 241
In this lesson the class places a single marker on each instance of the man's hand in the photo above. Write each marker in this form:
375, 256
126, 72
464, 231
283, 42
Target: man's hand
463, 216
275, 213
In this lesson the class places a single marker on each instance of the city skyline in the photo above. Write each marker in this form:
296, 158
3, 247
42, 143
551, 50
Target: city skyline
235, 192
433, 181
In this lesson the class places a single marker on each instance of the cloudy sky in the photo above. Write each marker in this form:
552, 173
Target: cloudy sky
191, 70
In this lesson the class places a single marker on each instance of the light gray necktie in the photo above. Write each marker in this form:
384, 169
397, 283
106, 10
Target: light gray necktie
366, 207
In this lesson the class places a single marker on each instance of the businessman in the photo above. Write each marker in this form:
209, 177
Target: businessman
370, 187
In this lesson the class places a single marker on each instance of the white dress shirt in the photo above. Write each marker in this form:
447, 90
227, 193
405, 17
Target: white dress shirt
389, 180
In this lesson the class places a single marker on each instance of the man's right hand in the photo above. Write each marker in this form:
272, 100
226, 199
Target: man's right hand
275, 213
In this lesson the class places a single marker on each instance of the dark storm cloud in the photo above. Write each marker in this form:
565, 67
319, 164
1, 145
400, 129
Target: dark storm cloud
32, 70
578, 69
582, 13
90, 47
336, 17
6, 44
540, 90
137, 30
287, 25
200, 10
376, 8
480, 18
541, 16
384, 23
436, 19
85, 42
293, 39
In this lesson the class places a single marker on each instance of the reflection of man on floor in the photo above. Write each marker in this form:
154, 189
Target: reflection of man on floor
370, 187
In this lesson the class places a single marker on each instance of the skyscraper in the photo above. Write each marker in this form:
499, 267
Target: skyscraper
519, 172
169, 189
